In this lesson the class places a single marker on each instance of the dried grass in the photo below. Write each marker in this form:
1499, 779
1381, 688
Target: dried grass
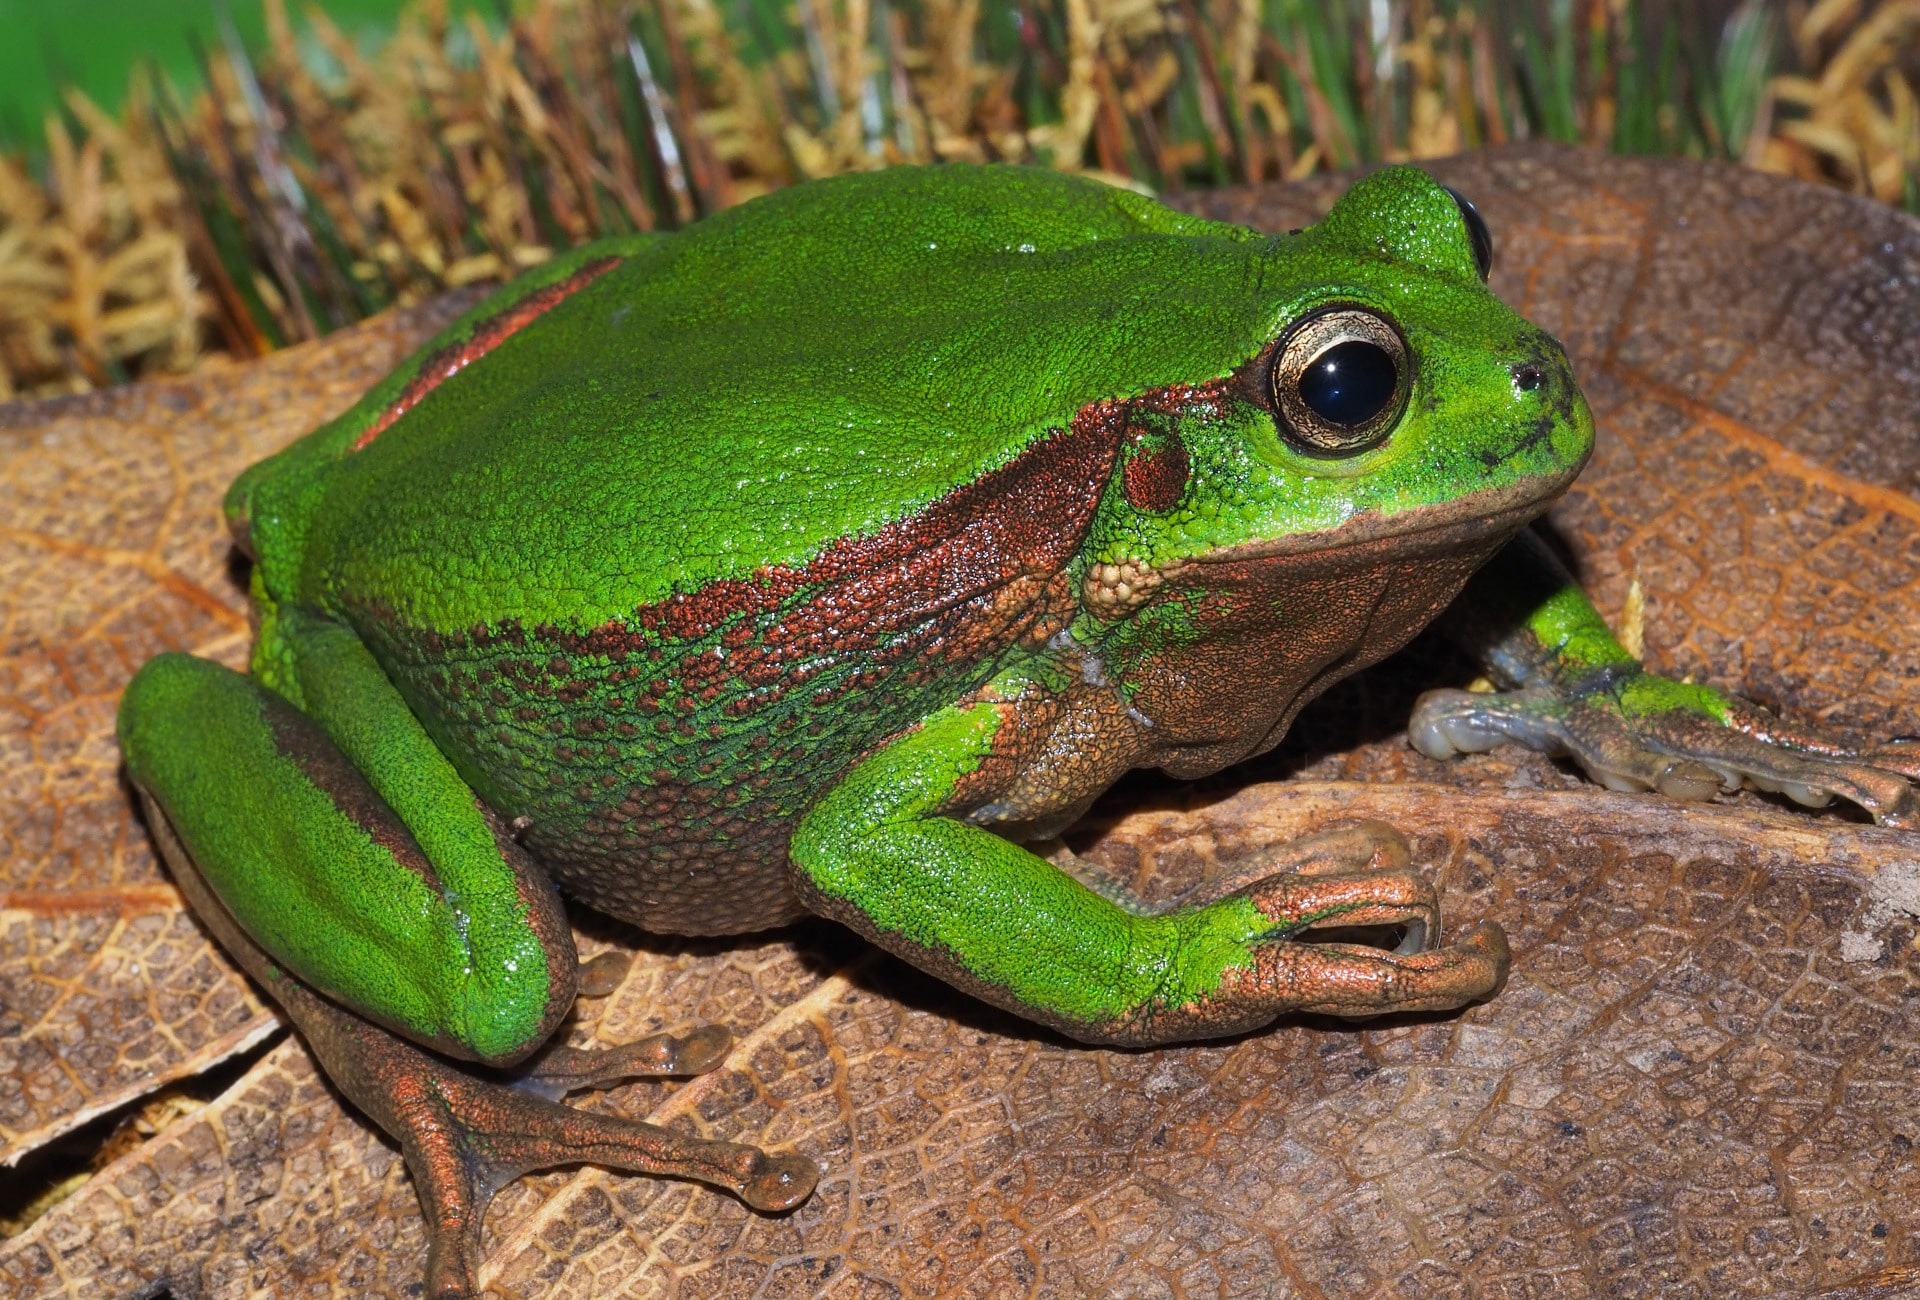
309, 184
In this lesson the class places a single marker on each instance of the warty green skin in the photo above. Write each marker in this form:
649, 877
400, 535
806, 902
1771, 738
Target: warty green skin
521, 610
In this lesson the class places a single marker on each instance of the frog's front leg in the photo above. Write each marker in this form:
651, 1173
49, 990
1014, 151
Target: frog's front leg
879, 854
356, 860
1577, 691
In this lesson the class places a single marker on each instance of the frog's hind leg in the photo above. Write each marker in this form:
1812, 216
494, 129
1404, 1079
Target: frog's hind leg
464, 1137
381, 883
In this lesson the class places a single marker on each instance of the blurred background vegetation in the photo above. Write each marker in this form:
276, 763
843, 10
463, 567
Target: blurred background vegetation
186, 182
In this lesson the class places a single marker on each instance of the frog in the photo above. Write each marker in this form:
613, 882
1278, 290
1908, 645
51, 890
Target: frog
829, 557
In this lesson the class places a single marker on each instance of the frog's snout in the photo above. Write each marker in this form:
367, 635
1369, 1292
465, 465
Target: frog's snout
1542, 379
1549, 430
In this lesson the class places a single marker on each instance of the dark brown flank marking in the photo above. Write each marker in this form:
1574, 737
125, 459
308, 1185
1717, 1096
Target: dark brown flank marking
301, 741
487, 335
1005, 534
1155, 475
663, 757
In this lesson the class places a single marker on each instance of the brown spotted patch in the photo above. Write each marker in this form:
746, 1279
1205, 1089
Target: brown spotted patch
1155, 475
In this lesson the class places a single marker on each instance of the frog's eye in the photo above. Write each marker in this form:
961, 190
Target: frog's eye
1477, 233
1339, 381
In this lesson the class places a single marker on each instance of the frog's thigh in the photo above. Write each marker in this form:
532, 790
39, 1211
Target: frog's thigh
315, 864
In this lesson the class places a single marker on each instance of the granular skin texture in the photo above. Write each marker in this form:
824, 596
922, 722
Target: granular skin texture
661, 761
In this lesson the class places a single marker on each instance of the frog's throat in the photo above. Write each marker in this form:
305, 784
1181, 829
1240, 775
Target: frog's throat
1300, 613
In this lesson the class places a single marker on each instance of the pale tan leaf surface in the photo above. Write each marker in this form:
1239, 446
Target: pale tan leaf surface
107, 995
1687, 1088
276, 1188
111, 550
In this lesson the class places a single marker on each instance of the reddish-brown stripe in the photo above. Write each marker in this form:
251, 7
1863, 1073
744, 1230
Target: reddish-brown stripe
970, 567
1155, 477
487, 335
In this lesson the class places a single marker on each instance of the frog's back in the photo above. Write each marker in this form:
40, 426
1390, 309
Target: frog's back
752, 498
806, 368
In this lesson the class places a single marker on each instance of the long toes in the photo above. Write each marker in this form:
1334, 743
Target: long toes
664, 1055
1446, 723
560, 1069
1449, 722
1813, 778
1295, 902
1357, 982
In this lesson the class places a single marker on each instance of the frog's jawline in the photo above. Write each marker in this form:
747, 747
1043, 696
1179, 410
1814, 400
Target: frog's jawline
1312, 609
1499, 511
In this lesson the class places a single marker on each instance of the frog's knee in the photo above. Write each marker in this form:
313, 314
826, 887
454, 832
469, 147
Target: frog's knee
177, 704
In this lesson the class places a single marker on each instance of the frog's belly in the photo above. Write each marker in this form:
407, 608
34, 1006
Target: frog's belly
671, 870
661, 779
671, 813
660, 786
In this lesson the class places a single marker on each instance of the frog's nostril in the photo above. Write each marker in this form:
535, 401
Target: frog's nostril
1528, 377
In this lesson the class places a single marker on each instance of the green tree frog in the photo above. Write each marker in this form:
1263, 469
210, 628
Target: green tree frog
821, 556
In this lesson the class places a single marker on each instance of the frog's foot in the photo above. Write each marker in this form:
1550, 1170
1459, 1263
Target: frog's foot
466, 1137
1643, 732
599, 976
1357, 845
1301, 961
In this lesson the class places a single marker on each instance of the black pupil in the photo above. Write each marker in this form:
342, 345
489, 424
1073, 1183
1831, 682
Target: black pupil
1350, 383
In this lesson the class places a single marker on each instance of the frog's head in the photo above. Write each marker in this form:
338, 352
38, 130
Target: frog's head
1304, 516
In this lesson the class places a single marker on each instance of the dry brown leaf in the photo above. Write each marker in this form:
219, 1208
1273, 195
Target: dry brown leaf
111, 549
1699, 1081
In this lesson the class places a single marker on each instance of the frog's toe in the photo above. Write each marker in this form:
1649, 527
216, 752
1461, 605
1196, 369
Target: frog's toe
1682, 753
1694, 753
602, 975
1308, 963
1816, 780
1314, 905
780, 1182
1449, 722
558, 1069
1357, 982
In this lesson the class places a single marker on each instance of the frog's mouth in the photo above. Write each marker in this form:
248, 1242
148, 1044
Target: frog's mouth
1491, 515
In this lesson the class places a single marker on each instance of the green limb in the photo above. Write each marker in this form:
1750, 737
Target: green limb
1527, 620
992, 918
1578, 692
443, 936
